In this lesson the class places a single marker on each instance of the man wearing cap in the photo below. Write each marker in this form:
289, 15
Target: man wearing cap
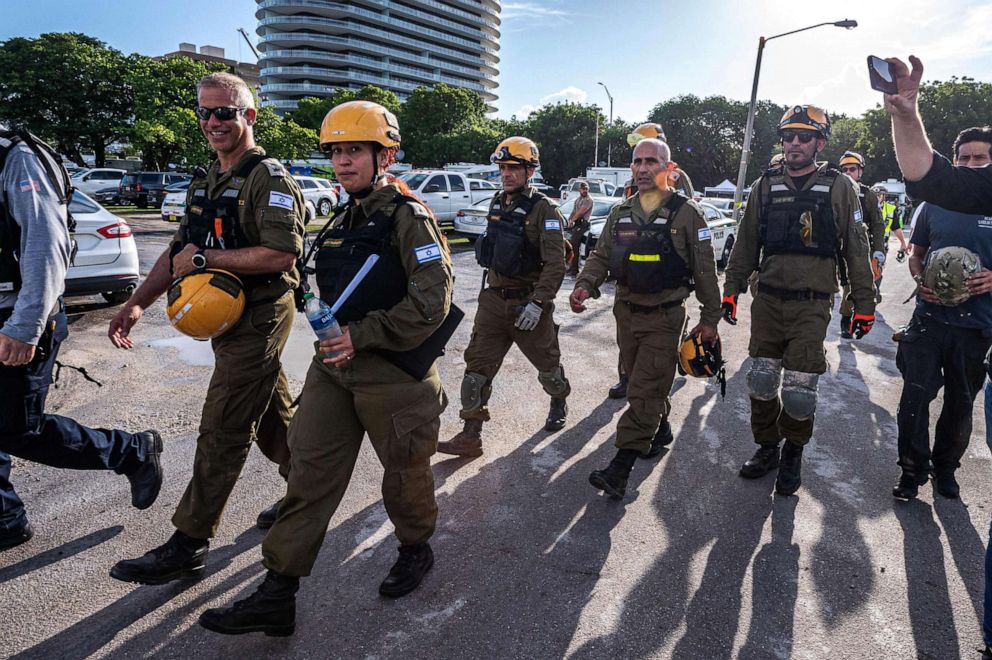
800, 219
853, 165
523, 252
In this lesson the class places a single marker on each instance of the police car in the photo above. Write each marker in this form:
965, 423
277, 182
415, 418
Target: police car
174, 204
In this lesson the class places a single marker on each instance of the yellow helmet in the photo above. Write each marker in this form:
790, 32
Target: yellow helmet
517, 151
206, 304
776, 161
851, 158
360, 121
807, 117
699, 359
648, 130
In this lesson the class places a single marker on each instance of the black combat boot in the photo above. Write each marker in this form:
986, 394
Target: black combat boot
763, 461
946, 484
619, 391
12, 538
907, 488
613, 480
270, 610
789, 469
662, 438
408, 571
146, 479
845, 327
556, 415
181, 558
267, 518
467, 442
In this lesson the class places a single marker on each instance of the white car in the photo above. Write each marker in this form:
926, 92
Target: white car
726, 206
318, 191
92, 180
601, 206
106, 261
174, 204
472, 220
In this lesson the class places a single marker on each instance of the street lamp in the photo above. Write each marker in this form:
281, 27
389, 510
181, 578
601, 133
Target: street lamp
746, 153
609, 146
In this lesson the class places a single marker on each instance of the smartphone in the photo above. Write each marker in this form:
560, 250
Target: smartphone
881, 76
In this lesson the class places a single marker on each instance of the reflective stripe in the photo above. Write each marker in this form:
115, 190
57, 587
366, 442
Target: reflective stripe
778, 187
644, 257
820, 188
231, 192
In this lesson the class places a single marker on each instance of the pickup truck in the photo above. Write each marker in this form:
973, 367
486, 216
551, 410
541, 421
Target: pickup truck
447, 192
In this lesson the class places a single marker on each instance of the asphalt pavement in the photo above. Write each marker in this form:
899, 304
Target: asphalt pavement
531, 560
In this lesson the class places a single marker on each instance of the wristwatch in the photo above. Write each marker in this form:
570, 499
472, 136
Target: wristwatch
199, 259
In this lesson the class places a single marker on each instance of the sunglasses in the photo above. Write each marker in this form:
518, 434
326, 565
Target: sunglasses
805, 137
222, 113
849, 168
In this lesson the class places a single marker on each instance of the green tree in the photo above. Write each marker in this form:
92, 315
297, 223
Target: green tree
845, 135
69, 88
565, 133
310, 111
283, 139
434, 118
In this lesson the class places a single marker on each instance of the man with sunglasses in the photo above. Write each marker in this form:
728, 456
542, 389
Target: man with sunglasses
800, 220
245, 216
853, 165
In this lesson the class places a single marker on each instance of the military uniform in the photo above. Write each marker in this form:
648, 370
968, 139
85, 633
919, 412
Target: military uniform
535, 255
254, 203
874, 224
401, 303
794, 238
658, 257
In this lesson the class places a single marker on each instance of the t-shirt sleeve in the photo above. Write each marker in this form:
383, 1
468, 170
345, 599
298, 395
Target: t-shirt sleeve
921, 233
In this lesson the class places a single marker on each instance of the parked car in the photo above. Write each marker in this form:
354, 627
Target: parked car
445, 192
144, 189
471, 221
106, 261
90, 181
596, 187
723, 230
108, 196
319, 191
174, 204
726, 206
601, 207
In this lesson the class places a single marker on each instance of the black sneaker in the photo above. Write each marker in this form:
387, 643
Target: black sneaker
146, 480
619, 391
180, 558
662, 438
267, 518
764, 461
408, 571
271, 609
907, 488
12, 538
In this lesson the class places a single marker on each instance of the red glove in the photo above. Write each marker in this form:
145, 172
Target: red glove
729, 305
862, 324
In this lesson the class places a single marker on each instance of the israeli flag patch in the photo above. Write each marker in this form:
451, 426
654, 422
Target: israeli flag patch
704, 234
552, 224
281, 200
427, 253
857, 216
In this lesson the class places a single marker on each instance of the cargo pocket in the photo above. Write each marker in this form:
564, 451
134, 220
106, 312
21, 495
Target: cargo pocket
911, 335
416, 427
426, 294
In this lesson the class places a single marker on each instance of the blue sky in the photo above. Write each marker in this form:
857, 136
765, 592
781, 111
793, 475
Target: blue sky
645, 51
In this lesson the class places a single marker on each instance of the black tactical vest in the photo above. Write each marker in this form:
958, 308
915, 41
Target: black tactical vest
215, 224
643, 257
504, 247
10, 231
344, 251
799, 222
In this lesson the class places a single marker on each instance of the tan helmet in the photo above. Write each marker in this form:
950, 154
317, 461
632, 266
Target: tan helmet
517, 151
206, 304
807, 117
852, 158
359, 121
644, 131
947, 271
699, 359
776, 161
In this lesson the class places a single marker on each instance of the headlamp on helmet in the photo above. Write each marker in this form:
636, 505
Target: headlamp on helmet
517, 151
808, 117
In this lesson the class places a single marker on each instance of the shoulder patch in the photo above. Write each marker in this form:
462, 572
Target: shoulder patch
704, 234
274, 167
857, 216
427, 253
281, 200
552, 224
418, 210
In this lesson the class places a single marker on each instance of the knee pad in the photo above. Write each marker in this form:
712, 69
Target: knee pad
472, 386
764, 378
554, 381
799, 394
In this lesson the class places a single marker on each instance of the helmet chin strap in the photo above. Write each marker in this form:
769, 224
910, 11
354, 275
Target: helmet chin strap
365, 192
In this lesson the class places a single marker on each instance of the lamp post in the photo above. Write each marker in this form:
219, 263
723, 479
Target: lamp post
746, 152
609, 146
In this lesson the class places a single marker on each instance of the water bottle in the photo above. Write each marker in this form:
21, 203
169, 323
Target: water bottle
322, 320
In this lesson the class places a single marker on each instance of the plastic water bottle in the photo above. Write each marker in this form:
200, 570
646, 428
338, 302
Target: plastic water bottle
322, 320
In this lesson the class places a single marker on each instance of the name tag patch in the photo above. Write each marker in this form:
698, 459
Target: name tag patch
704, 234
552, 224
281, 200
427, 253
857, 216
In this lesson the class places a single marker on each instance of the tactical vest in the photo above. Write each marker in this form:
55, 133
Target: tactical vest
342, 254
863, 200
799, 222
215, 224
10, 231
643, 257
504, 247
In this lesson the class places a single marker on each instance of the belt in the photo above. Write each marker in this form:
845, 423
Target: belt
784, 294
647, 309
509, 293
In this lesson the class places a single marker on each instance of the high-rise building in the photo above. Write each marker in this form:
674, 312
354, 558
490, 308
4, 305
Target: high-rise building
312, 47
214, 54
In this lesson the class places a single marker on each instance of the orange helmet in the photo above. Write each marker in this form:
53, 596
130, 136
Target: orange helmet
807, 117
206, 304
648, 130
851, 158
359, 121
517, 151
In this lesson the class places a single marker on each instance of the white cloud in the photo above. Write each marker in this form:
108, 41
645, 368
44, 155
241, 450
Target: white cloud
571, 94
512, 10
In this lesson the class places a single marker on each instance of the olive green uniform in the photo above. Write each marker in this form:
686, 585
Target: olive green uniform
874, 224
791, 311
500, 304
369, 394
650, 325
248, 397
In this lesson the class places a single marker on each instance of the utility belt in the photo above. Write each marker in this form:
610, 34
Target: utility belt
786, 295
650, 309
512, 293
